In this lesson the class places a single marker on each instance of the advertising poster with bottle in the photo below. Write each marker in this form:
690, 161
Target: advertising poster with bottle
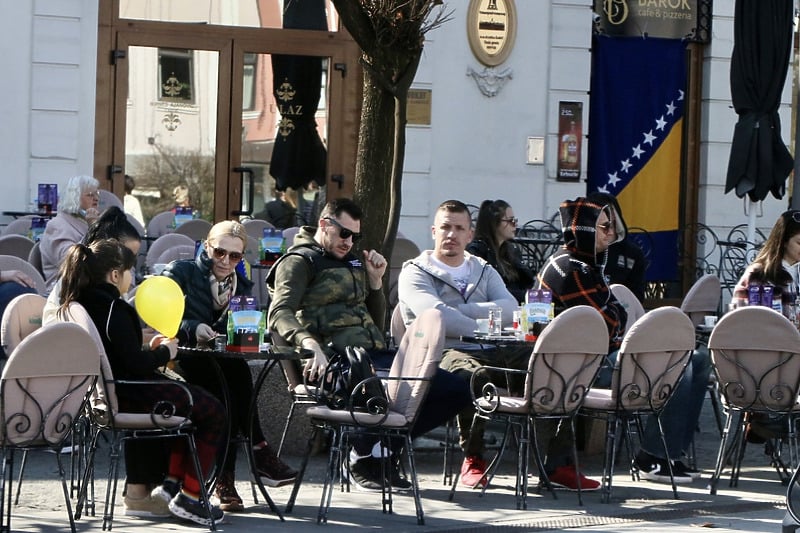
570, 124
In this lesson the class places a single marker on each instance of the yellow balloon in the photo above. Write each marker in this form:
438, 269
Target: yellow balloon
159, 302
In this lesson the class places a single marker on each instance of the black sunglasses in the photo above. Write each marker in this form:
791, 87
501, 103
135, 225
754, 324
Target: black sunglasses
345, 233
606, 227
220, 253
513, 220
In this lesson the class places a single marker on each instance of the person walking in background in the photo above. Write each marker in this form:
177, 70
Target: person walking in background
130, 203
281, 212
209, 281
96, 276
494, 230
77, 208
181, 196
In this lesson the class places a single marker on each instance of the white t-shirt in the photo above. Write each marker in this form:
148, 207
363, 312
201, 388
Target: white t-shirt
460, 274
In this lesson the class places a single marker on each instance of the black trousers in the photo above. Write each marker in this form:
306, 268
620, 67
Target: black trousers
239, 382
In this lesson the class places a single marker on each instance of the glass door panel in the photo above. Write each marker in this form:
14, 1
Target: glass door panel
284, 134
171, 128
313, 14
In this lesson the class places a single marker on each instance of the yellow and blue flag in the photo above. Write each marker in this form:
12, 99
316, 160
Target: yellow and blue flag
636, 137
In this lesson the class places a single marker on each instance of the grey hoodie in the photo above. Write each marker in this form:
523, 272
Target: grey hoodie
422, 285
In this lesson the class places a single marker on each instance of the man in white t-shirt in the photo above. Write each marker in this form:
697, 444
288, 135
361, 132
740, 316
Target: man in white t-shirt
464, 288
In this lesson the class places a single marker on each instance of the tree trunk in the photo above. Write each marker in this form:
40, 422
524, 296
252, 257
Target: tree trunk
374, 161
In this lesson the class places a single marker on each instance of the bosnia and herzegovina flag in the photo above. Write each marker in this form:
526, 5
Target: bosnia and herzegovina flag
636, 136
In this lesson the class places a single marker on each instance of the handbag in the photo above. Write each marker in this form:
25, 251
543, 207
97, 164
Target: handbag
349, 382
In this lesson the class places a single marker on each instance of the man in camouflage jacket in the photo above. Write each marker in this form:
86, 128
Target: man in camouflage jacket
324, 298
322, 293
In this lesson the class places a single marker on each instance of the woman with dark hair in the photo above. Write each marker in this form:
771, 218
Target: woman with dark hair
495, 228
96, 276
776, 265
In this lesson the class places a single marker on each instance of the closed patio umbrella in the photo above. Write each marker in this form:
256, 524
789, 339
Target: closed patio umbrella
759, 162
299, 156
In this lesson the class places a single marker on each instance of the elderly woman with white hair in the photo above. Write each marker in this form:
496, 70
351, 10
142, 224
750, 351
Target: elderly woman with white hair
77, 208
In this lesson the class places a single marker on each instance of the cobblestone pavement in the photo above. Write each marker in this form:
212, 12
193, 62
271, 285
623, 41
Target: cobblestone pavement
756, 505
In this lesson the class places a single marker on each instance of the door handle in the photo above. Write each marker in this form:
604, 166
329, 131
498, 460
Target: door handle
245, 171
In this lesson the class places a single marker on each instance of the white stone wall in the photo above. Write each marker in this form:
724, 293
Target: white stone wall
475, 147
47, 106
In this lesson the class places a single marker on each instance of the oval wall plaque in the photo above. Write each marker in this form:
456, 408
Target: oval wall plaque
491, 28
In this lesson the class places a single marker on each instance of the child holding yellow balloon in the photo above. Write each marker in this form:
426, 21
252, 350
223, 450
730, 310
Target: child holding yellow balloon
96, 276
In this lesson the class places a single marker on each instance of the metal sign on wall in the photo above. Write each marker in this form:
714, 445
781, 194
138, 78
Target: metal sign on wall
491, 29
570, 126
669, 19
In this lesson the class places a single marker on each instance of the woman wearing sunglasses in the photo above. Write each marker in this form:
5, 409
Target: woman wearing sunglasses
494, 230
776, 265
209, 281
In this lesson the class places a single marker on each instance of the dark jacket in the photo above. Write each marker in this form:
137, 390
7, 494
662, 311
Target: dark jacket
574, 274
278, 213
525, 276
193, 277
120, 330
627, 265
314, 294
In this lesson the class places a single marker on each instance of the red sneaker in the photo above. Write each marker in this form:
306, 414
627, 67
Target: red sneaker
473, 471
566, 477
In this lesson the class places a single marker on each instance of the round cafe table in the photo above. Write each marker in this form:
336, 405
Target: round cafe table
270, 357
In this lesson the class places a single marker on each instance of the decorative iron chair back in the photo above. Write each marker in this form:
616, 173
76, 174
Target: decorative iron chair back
652, 358
757, 371
537, 240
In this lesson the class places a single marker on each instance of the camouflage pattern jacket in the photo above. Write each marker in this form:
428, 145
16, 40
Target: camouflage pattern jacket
314, 294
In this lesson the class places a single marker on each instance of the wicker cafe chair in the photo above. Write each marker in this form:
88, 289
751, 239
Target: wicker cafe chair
560, 371
633, 307
164, 243
703, 298
22, 316
161, 422
197, 229
16, 245
758, 373
41, 396
11, 262
161, 224
406, 386
651, 360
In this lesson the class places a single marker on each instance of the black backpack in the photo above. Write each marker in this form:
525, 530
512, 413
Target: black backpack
341, 387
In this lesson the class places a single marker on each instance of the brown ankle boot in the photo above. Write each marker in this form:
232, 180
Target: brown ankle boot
225, 491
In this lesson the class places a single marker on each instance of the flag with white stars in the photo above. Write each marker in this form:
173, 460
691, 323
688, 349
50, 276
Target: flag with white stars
636, 137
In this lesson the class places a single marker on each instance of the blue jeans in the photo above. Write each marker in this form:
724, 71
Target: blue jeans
679, 418
603, 379
447, 396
